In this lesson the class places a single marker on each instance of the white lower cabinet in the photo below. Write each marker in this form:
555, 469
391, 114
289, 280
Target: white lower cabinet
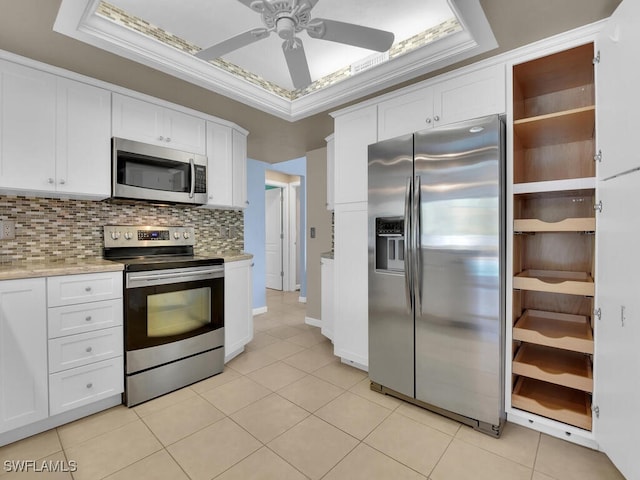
238, 312
85, 339
351, 321
327, 296
23, 353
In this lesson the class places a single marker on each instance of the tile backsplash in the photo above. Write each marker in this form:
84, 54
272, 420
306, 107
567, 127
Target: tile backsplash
60, 229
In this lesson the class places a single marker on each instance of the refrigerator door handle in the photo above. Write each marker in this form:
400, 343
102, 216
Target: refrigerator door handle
408, 264
417, 249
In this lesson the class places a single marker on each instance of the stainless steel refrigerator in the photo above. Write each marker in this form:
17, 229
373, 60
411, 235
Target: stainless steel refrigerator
436, 270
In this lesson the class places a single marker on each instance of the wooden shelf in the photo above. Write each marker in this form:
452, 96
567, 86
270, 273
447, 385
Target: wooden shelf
562, 127
571, 184
562, 367
553, 281
566, 225
553, 401
559, 330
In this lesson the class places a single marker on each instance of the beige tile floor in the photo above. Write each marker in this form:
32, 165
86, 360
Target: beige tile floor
288, 409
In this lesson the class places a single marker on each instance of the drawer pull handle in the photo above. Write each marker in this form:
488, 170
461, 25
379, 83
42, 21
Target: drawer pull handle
87, 289
88, 349
88, 318
89, 385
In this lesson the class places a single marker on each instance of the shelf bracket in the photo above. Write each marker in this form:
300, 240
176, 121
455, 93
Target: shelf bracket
598, 313
596, 410
598, 206
596, 59
598, 156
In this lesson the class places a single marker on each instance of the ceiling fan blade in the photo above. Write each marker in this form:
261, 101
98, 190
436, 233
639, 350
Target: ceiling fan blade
351, 34
233, 43
297, 62
247, 2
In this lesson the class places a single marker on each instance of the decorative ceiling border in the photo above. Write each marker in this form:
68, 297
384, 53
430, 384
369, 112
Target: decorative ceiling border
77, 19
125, 19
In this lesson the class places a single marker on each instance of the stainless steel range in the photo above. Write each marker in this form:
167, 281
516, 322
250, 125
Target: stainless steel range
173, 309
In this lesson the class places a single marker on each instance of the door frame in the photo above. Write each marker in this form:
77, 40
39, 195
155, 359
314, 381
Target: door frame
288, 262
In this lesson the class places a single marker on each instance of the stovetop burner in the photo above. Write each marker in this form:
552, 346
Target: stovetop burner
142, 248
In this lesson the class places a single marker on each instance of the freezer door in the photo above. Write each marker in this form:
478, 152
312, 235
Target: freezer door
391, 360
458, 306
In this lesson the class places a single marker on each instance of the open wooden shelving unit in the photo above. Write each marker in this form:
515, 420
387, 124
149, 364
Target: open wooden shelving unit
554, 242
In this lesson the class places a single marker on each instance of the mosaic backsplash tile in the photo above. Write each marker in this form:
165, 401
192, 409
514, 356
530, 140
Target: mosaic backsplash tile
121, 17
58, 229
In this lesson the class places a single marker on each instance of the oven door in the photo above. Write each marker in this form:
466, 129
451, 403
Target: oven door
170, 306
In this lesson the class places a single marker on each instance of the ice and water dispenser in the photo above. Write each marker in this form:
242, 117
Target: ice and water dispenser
390, 244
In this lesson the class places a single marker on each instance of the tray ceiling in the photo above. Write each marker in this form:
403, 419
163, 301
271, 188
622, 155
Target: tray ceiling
165, 34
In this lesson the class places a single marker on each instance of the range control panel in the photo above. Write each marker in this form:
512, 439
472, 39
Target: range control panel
147, 236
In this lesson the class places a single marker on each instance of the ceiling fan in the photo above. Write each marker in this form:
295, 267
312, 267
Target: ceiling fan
288, 18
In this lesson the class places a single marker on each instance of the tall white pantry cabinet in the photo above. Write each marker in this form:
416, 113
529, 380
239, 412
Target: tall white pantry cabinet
573, 178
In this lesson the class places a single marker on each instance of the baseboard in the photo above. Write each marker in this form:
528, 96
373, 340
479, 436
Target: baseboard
259, 311
354, 364
313, 322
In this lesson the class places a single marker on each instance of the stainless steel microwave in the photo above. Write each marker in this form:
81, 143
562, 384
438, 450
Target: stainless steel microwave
159, 174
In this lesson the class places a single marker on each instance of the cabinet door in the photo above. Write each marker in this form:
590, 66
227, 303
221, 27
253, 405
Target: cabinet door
617, 93
23, 353
617, 357
405, 114
239, 170
238, 317
83, 160
137, 120
184, 132
354, 132
351, 320
219, 165
27, 128
326, 287
473, 95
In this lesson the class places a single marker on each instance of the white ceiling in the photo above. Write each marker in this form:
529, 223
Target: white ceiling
208, 22
203, 23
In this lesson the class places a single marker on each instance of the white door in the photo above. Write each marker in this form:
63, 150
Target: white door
273, 237
617, 356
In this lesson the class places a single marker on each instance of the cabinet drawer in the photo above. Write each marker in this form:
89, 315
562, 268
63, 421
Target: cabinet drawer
91, 287
84, 385
84, 317
84, 348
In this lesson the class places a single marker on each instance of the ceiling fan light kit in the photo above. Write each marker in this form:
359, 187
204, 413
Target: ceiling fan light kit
288, 18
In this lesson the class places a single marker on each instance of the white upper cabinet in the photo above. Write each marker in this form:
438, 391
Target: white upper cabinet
54, 134
471, 95
407, 113
468, 96
617, 94
146, 122
354, 132
83, 160
219, 165
239, 144
27, 128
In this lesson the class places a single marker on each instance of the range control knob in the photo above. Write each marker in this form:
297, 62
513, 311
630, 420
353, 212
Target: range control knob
186, 235
128, 235
115, 235
176, 235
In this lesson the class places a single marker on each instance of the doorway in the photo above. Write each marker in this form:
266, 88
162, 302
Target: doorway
274, 237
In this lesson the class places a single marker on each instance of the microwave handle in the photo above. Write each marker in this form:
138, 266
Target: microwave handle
193, 178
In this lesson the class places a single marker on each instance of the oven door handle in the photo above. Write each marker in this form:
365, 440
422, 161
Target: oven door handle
192, 190
136, 280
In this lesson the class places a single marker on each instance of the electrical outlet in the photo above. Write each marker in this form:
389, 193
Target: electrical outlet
7, 229
224, 231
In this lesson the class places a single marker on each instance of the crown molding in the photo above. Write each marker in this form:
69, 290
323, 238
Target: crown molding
75, 19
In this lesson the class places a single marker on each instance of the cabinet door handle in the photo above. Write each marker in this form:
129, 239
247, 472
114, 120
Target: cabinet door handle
88, 349
161, 138
428, 120
168, 139
62, 181
87, 319
89, 385
436, 118
50, 180
87, 289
